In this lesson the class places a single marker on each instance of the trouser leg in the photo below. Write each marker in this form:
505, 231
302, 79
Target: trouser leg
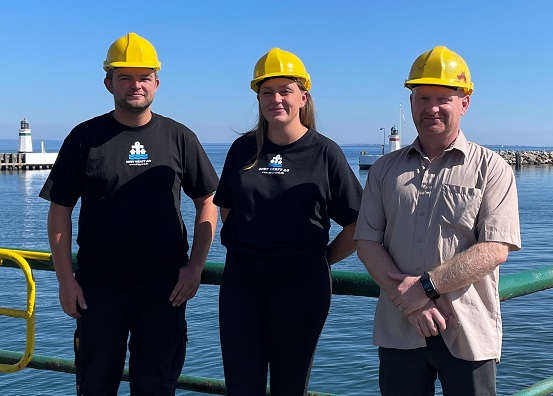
242, 330
462, 377
101, 342
405, 372
158, 338
414, 372
297, 309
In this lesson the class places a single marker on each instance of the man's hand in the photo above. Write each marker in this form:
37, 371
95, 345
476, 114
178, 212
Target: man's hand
188, 284
428, 321
408, 296
71, 294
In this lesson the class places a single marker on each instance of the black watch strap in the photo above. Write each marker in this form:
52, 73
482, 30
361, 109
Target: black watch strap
428, 287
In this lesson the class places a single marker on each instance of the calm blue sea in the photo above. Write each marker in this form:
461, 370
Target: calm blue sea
345, 363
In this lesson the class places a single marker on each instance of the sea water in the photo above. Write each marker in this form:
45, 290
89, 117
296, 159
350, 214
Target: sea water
346, 363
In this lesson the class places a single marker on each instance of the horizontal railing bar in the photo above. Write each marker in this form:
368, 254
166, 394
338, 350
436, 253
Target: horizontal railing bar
525, 282
356, 283
186, 382
541, 388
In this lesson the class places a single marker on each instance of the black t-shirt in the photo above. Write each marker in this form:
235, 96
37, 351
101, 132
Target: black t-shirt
129, 181
282, 207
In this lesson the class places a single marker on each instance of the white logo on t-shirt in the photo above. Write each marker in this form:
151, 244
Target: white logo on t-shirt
275, 167
138, 155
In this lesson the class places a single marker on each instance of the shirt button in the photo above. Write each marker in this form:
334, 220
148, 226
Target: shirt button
421, 213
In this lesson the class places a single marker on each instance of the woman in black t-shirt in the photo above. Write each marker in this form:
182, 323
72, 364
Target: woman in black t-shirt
281, 185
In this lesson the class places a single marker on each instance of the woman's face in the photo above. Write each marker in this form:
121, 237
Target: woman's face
280, 100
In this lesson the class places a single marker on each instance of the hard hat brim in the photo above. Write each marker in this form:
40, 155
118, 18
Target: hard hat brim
256, 82
468, 88
115, 65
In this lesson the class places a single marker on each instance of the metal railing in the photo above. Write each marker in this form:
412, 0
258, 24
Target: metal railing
28, 313
343, 283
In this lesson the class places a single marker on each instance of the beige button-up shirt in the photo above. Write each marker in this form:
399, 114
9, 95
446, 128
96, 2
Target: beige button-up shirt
426, 212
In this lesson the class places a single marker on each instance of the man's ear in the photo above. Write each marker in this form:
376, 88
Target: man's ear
109, 85
465, 103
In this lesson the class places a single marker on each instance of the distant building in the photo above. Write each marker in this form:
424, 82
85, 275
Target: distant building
25, 140
25, 159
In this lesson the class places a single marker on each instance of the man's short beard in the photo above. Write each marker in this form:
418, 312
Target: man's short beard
131, 107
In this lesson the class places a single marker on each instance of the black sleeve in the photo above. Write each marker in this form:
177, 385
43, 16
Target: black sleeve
64, 184
223, 195
345, 189
200, 177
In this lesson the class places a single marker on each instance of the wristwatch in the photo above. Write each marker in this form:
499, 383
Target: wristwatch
428, 287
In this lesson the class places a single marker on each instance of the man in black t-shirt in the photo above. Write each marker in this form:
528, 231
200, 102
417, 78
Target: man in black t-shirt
134, 274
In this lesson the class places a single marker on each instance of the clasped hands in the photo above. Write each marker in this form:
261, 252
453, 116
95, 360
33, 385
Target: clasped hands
428, 317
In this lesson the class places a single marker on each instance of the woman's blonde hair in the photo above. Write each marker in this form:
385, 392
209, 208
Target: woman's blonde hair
307, 119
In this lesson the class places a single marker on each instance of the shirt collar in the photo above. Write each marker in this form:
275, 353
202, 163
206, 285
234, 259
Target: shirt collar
460, 143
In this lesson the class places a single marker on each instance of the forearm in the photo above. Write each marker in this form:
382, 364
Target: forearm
343, 245
60, 239
469, 266
378, 263
204, 230
404, 291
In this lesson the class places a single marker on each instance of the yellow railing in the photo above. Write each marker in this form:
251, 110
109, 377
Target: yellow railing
29, 312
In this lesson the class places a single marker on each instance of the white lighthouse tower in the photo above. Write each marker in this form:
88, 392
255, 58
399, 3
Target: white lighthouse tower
394, 143
25, 141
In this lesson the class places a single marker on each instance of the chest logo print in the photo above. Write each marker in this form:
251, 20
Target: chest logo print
138, 155
274, 167
276, 162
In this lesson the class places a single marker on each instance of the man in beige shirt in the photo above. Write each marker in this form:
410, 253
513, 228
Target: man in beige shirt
437, 219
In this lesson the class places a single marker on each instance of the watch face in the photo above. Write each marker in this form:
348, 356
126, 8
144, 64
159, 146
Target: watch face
428, 287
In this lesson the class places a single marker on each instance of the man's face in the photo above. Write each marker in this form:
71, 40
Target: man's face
133, 88
437, 110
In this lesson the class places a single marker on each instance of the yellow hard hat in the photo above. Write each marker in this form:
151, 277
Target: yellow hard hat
279, 63
132, 50
440, 66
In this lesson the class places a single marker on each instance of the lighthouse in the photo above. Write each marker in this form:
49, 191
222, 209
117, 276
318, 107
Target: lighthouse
394, 143
25, 141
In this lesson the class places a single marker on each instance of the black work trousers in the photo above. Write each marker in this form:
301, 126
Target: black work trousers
271, 314
414, 372
157, 342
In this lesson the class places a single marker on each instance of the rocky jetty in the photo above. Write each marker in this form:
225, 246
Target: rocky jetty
527, 157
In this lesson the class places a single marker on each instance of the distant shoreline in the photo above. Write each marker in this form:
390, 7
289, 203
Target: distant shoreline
527, 157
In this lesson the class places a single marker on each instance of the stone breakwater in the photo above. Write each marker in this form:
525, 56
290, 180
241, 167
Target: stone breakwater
527, 157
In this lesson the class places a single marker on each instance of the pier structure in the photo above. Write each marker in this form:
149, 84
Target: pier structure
25, 158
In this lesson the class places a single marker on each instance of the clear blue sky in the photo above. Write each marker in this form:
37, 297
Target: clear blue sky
358, 54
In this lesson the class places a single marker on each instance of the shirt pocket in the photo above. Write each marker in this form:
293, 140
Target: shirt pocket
459, 206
